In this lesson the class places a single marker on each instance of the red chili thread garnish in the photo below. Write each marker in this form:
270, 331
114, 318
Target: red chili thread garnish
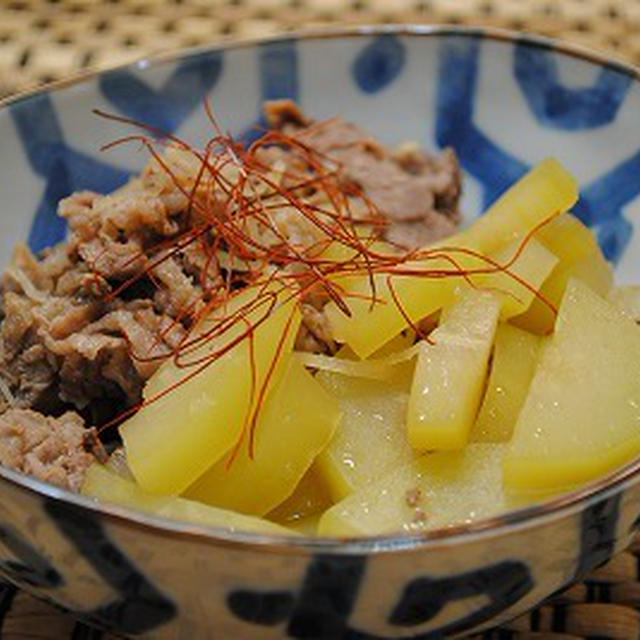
421, 334
235, 449
253, 414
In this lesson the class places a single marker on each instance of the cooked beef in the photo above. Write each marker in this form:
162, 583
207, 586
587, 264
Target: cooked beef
85, 323
63, 340
419, 233
72, 350
315, 332
280, 113
416, 193
50, 449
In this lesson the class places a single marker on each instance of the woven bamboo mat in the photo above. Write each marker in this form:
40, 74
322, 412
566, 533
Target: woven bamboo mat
42, 40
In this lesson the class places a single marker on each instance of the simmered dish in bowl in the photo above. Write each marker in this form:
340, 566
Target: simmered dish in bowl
292, 336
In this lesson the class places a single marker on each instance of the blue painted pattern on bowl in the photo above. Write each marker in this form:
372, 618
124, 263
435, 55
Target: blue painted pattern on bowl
503, 102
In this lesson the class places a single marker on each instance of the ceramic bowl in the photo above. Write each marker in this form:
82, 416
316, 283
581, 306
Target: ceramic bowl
503, 101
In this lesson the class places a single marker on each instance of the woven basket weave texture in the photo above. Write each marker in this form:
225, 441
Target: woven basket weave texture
42, 40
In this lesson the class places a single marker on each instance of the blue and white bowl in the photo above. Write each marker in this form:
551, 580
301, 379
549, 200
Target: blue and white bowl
503, 101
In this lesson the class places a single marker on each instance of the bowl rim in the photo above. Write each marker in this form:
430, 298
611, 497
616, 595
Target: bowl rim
522, 518
573, 49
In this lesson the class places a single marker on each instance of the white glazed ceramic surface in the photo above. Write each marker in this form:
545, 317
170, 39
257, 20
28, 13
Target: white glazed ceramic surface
504, 102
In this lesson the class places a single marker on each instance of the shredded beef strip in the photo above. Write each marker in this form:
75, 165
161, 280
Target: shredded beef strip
50, 449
